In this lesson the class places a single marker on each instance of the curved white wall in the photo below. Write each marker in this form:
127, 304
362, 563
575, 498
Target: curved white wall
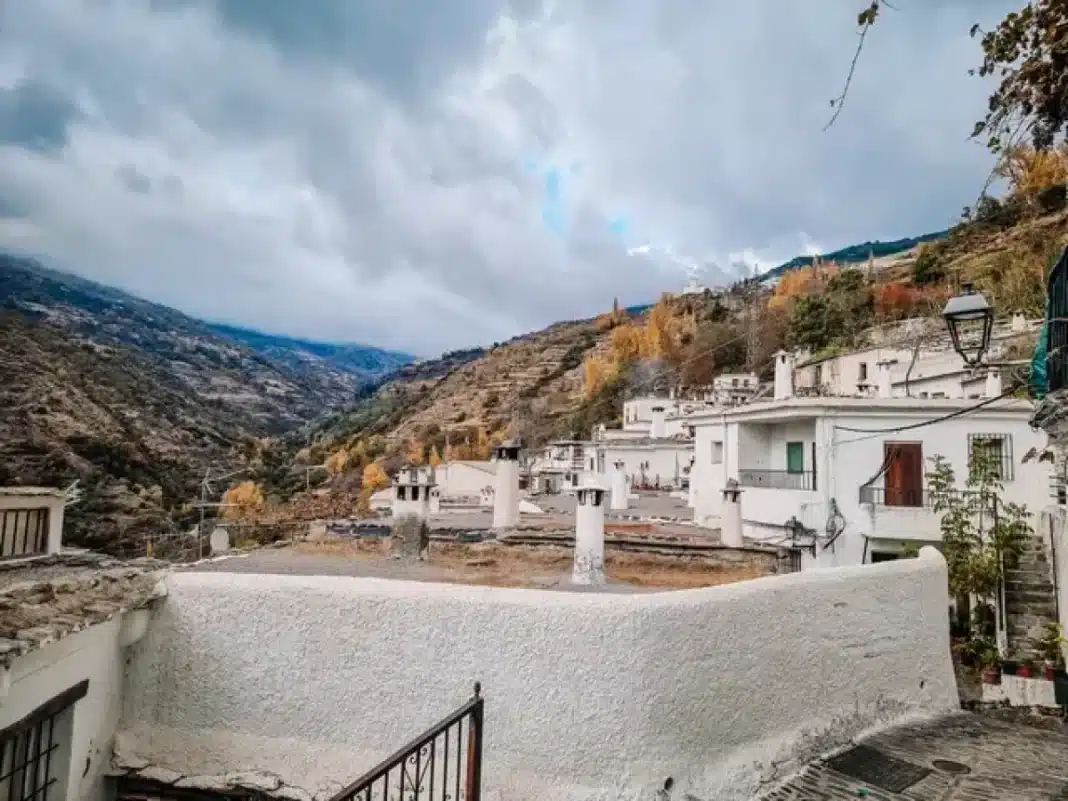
588, 695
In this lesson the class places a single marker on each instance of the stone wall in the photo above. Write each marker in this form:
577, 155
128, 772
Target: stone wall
596, 696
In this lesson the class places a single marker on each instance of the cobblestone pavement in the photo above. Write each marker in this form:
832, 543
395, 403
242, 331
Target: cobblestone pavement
1006, 761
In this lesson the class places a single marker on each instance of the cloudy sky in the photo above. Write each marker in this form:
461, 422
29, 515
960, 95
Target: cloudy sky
430, 174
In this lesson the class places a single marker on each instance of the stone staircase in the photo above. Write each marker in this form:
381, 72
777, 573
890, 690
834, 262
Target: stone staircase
1030, 601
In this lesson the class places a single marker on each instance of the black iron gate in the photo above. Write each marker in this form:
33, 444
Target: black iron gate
442, 764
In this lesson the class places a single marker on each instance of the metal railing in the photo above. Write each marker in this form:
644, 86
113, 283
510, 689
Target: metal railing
778, 479
443, 763
910, 498
23, 532
881, 496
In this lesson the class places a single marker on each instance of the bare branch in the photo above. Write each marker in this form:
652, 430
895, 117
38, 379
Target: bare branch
866, 19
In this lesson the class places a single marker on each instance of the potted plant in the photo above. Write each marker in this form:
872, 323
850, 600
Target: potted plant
1052, 647
990, 672
1023, 670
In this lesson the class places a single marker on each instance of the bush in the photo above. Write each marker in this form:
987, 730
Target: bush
928, 268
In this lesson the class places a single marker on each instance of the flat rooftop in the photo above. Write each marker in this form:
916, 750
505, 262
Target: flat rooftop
498, 564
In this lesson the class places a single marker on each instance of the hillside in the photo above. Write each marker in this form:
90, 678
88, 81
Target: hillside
857, 254
135, 399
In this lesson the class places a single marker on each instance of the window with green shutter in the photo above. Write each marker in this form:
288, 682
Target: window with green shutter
795, 457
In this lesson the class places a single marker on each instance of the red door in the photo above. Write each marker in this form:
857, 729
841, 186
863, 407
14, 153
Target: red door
904, 474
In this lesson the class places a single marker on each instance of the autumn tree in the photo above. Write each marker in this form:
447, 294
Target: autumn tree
597, 370
374, 477
717, 348
435, 457
337, 462
626, 343
415, 453
242, 501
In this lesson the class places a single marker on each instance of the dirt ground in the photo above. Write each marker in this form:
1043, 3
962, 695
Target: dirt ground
489, 564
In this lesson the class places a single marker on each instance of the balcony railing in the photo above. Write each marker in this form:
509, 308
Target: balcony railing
443, 764
778, 479
914, 498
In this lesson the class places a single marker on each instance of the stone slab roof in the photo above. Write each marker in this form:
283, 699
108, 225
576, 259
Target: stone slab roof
50, 492
44, 600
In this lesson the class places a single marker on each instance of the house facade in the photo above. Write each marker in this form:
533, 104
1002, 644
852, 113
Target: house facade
852, 471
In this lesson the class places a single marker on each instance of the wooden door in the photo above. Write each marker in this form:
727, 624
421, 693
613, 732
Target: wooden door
904, 473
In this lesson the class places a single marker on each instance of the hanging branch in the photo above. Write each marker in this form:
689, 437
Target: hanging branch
865, 19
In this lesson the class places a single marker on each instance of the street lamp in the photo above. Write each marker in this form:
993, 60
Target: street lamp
970, 321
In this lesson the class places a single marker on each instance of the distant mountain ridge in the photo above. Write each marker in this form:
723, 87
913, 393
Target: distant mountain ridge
855, 254
364, 359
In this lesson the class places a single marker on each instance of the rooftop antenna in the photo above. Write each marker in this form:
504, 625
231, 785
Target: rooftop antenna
72, 494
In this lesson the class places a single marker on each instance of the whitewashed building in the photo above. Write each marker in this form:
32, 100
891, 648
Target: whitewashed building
61, 673
852, 471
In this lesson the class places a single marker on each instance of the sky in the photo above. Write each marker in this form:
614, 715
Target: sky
432, 175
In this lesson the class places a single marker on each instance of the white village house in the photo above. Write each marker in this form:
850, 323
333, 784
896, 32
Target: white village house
852, 470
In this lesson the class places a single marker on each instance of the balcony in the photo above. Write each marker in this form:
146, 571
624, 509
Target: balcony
778, 479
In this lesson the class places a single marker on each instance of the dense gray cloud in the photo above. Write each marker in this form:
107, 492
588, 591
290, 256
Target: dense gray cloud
429, 175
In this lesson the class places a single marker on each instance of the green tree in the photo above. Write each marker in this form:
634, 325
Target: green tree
980, 531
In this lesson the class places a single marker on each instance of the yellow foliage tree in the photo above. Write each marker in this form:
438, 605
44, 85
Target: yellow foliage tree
374, 477
1029, 171
800, 283
337, 462
627, 343
415, 451
358, 455
242, 501
597, 371
435, 457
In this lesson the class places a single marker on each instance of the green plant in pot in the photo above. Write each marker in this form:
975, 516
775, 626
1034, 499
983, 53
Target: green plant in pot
985, 653
1052, 648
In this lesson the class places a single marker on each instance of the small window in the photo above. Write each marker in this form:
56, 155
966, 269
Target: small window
819, 374
862, 372
415, 493
35, 752
23, 532
717, 453
998, 449
734, 382
795, 457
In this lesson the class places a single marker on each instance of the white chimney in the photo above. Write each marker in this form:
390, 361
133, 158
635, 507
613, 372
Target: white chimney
620, 488
730, 527
589, 536
506, 493
883, 386
993, 383
1019, 322
656, 429
784, 375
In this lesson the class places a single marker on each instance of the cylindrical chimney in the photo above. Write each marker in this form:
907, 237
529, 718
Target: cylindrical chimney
620, 488
506, 492
656, 428
730, 530
993, 383
884, 387
784, 375
589, 536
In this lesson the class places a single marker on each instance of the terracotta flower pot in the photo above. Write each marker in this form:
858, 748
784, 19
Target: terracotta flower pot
1024, 671
991, 675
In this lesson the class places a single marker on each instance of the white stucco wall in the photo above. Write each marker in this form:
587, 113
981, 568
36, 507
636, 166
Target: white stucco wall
464, 478
96, 654
588, 695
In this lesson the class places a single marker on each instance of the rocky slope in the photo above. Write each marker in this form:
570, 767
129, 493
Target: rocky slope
136, 400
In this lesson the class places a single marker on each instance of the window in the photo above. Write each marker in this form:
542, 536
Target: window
862, 372
819, 375
998, 448
795, 457
23, 532
34, 753
734, 382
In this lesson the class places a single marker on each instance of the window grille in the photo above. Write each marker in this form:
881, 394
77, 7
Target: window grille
30, 750
999, 448
23, 532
